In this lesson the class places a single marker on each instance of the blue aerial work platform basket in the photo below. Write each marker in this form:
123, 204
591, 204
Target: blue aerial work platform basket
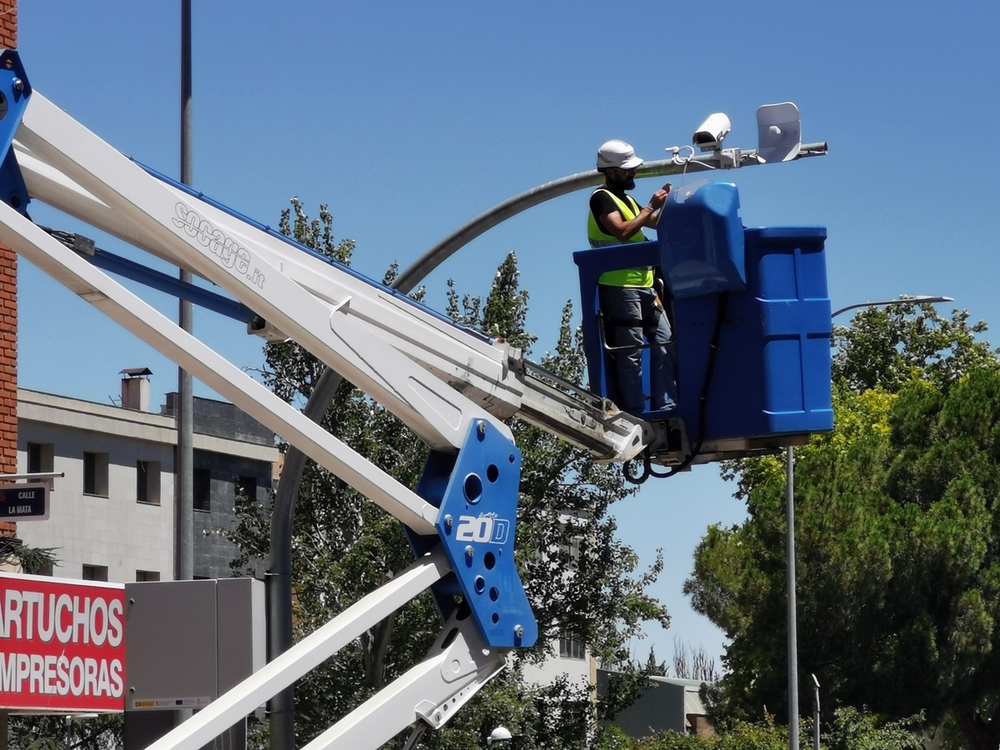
750, 315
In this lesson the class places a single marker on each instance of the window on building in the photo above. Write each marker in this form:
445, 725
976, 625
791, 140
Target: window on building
95, 474
147, 482
41, 458
202, 489
147, 575
95, 573
571, 647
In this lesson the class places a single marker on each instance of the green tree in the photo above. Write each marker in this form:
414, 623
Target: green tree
102, 732
32, 560
887, 347
897, 539
580, 579
850, 730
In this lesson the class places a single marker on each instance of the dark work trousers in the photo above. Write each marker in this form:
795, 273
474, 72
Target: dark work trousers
632, 317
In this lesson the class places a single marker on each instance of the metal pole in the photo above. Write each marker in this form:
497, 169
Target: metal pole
184, 501
815, 712
278, 584
793, 648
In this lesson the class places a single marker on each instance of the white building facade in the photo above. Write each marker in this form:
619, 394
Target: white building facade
112, 512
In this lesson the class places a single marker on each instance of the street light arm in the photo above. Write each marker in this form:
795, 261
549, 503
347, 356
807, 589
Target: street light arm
922, 299
434, 257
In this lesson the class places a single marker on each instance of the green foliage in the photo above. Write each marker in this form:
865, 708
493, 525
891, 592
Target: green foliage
33, 560
613, 738
888, 346
103, 732
855, 730
850, 729
558, 716
897, 540
579, 577
738, 736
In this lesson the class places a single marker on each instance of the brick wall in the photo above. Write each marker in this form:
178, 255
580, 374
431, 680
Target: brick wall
8, 312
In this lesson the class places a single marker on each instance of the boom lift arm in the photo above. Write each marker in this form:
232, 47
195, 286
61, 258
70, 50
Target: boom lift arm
449, 384
490, 374
466, 521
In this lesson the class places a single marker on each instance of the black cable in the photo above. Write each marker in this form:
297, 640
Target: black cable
720, 317
627, 469
59, 234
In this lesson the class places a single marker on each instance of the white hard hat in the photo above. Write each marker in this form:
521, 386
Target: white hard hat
617, 154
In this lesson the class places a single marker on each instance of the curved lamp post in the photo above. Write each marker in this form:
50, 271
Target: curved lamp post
793, 648
279, 566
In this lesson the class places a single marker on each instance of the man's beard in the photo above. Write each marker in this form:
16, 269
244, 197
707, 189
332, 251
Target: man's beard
628, 183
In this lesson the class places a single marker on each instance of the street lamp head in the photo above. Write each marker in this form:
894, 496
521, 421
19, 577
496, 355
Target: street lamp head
500, 734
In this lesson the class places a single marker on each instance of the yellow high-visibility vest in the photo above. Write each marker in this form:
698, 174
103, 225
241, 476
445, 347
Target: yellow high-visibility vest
633, 277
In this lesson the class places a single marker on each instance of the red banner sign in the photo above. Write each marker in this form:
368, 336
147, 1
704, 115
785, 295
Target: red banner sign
62, 644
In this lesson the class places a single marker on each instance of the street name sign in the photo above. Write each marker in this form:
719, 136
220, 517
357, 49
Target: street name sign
24, 502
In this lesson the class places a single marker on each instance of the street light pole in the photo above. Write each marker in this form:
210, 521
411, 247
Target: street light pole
793, 646
815, 713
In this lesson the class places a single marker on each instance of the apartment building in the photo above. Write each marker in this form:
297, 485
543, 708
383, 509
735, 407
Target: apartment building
112, 510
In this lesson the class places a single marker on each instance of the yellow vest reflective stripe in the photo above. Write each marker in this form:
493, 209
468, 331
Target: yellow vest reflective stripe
632, 277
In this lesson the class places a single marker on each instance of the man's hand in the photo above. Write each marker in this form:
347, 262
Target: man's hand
659, 198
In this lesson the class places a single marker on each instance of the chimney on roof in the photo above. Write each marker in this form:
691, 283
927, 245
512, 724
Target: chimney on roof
135, 388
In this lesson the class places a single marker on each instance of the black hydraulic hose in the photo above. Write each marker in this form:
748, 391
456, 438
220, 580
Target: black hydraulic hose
630, 475
647, 462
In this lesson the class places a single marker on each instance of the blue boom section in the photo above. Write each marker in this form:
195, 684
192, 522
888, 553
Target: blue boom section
750, 315
477, 493
14, 94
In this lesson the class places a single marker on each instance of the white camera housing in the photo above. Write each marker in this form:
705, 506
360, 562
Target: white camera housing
711, 133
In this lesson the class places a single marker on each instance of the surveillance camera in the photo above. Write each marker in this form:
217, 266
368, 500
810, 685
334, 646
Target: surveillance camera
711, 133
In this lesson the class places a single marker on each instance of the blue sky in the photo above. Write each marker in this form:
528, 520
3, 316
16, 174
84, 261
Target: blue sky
410, 119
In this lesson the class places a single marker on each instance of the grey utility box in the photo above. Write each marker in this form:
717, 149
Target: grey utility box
187, 643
